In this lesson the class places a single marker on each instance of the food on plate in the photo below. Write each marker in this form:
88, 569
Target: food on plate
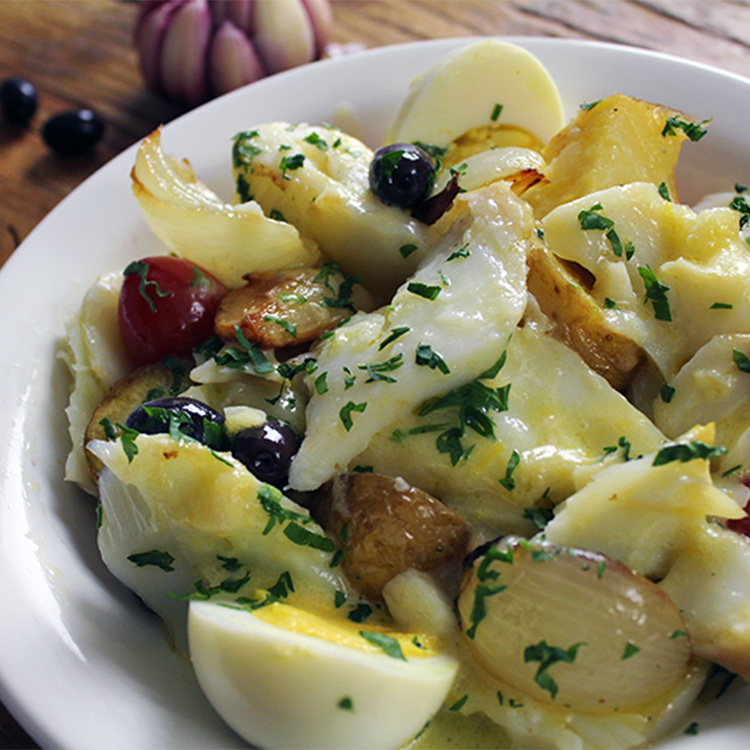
288, 678
457, 440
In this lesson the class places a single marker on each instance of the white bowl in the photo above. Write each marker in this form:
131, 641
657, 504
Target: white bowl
82, 663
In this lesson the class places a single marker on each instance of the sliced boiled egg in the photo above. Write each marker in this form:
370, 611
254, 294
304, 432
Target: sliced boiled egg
285, 678
485, 84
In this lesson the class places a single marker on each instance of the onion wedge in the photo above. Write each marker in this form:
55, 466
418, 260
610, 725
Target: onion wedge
229, 241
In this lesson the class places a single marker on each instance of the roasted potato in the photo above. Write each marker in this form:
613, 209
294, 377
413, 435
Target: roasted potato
285, 308
145, 383
579, 321
616, 141
386, 526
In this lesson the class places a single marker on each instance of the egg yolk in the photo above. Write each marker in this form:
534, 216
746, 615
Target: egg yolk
345, 632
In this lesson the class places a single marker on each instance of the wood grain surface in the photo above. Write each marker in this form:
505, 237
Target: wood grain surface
80, 54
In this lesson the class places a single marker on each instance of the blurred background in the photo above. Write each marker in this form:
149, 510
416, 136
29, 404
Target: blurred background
86, 55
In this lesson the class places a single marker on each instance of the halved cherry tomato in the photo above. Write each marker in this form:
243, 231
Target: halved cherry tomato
167, 307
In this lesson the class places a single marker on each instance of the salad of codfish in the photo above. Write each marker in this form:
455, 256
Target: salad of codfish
447, 439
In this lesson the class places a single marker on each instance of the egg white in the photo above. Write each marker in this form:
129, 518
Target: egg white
283, 689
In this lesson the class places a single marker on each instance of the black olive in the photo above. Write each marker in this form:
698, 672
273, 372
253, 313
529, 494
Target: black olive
18, 100
402, 174
192, 418
74, 132
267, 451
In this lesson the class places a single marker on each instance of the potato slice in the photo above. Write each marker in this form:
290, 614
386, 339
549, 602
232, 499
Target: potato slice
616, 141
283, 308
579, 321
147, 382
386, 526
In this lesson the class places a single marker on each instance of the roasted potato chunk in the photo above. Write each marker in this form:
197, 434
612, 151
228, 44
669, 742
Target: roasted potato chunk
284, 308
616, 141
145, 383
386, 526
579, 321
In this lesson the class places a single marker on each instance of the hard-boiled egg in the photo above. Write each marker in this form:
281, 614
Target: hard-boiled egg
488, 83
285, 678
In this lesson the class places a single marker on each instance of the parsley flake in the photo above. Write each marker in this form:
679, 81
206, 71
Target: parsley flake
684, 452
424, 290
158, 558
547, 656
389, 645
657, 293
345, 413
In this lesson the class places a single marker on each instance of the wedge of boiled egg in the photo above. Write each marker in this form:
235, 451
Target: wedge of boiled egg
485, 84
285, 678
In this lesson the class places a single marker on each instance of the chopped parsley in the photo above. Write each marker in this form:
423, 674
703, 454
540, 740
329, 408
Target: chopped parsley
591, 219
657, 293
586, 106
246, 355
540, 517
739, 204
630, 650
741, 360
721, 306
290, 328
316, 141
346, 704
508, 482
155, 557
242, 150
664, 191
389, 645
684, 452
479, 609
692, 130
290, 163
496, 111
423, 290
426, 357
666, 392
270, 499
321, 384
407, 250
474, 401
547, 656
141, 269
393, 335
462, 252
376, 371
345, 413
459, 704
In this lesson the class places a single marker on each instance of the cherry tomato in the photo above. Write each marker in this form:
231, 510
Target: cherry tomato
167, 307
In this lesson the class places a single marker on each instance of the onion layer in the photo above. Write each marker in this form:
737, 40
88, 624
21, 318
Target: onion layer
572, 627
229, 241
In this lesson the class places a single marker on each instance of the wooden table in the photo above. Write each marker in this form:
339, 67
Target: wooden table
80, 54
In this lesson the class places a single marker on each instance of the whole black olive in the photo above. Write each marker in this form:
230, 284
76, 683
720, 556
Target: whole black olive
402, 174
191, 417
267, 451
74, 132
18, 100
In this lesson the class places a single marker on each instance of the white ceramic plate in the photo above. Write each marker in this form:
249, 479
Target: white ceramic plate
82, 665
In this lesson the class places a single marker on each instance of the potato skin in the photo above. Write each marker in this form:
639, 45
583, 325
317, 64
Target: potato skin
386, 526
130, 392
580, 322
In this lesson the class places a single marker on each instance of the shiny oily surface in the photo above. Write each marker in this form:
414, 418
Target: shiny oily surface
110, 678
616, 639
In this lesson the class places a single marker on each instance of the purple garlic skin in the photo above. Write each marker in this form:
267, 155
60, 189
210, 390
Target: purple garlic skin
193, 50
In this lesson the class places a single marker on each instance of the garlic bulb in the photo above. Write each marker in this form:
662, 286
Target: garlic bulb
193, 50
